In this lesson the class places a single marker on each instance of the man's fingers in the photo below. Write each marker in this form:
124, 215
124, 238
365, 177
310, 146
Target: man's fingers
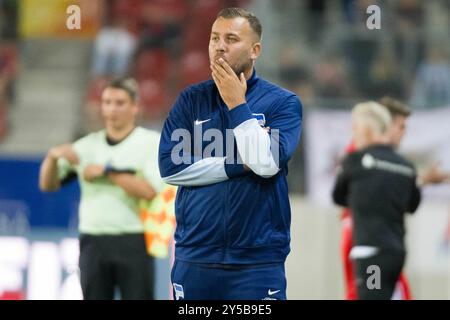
220, 72
217, 77
214, 73
230, 72
243, 80
216, 80
225, 66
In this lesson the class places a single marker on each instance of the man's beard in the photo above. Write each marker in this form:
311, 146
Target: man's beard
242, 68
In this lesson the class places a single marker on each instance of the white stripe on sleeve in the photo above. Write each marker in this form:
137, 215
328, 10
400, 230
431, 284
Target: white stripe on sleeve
203, 172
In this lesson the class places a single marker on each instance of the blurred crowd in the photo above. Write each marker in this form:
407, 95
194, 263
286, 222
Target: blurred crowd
327, 55
8, 60
337, 58
335, 61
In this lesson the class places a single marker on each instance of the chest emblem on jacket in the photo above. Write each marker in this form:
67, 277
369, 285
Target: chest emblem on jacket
261, 118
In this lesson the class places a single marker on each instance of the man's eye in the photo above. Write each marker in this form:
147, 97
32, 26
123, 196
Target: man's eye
232, 39
214, 38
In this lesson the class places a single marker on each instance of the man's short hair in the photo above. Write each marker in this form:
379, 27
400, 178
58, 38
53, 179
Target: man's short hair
395, 107
129, 85
229, 13
374, 114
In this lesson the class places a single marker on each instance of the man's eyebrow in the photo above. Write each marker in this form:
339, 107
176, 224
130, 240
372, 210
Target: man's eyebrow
226, 34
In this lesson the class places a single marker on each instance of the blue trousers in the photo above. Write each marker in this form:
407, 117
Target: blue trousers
192, 281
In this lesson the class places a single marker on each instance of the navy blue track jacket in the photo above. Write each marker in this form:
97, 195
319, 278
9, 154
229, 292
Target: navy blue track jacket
224, 213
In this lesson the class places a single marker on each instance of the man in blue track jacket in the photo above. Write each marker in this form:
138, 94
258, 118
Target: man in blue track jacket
226, 143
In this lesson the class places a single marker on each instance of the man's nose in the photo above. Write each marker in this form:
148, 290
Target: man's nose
111, 108
221, 46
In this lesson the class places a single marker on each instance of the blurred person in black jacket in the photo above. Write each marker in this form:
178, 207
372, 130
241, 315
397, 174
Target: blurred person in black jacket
379, 186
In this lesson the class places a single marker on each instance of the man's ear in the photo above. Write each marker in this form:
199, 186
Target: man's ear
136, 108
256, 50
369, 134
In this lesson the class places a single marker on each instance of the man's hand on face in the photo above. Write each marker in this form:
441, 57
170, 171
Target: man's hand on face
93, 171
65, 151
231, 88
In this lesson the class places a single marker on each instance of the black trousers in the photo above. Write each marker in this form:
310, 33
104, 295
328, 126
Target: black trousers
377, 276
108, 262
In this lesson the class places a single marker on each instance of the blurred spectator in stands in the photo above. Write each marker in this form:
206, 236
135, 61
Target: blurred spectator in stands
410, 14
431, 86
355, 11
385, 77
8, 19
8, 70
3, 120
360, 51
331, 79
316, 19
409, 32
128, 11
349, 10
8, 59
162, 23
113, 49
295, 75
297, 79
359, 45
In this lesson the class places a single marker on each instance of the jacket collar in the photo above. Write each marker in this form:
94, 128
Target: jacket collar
252, 80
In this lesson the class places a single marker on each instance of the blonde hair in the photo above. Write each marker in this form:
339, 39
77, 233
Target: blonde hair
129, 85
374, 114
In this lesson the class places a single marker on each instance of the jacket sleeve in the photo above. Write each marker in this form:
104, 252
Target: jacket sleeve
178, 164
266, 153
341, 186
416, 197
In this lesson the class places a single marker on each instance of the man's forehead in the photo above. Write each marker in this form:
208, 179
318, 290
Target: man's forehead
399, 118
238, 25
114, 91
117, 93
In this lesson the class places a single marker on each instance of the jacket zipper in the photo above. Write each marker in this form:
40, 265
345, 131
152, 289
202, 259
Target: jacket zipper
225, 244
225, 211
